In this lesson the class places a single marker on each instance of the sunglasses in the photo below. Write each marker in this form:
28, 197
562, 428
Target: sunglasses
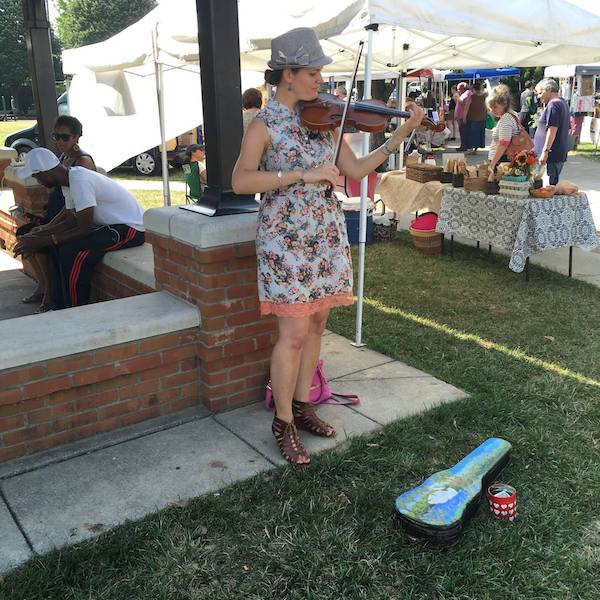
65, 137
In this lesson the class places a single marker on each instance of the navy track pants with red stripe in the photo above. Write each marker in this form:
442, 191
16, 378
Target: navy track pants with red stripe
76, 259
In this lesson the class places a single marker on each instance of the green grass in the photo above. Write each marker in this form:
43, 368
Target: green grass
154, 199
588, 150
8, 127
175, 174
527, 353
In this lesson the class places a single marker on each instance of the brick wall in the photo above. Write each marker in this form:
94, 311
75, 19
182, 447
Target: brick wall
110, 284
234, 342
33, 199
65, 399
8, 227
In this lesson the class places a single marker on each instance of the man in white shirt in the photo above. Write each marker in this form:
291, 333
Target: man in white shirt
99, 216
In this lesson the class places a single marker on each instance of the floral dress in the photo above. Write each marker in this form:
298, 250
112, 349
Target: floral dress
302, 250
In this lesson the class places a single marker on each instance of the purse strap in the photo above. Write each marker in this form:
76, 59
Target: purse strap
519, 126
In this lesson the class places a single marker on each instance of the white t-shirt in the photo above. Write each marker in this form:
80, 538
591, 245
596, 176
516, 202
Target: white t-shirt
113, 204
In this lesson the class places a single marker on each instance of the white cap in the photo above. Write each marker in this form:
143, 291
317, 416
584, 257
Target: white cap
37, 160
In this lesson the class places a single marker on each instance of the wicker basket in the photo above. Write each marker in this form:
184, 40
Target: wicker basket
514, 189
426, 241
475, 184
492, 187
423, 173
384, 233
446, 177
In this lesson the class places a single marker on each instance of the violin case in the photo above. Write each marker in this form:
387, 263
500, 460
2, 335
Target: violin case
438, 509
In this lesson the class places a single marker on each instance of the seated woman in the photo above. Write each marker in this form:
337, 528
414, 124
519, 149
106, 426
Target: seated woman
66, 134
500, 105
194, 171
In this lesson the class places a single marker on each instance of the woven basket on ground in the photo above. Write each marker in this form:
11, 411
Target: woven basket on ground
475, 184
423, 173
426, 242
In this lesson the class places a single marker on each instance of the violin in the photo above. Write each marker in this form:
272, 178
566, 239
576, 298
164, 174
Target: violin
326, 112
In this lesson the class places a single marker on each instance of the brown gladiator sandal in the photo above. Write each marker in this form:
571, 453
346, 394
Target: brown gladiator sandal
289, 443
306, 418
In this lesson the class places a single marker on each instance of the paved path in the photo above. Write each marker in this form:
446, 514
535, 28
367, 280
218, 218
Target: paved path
75, 492
14, 286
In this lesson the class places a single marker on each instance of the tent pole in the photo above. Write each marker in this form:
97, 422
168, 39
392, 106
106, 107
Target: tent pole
401, 105
362, 233
158, 70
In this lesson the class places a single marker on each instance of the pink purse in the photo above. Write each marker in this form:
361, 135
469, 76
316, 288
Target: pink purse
320, 392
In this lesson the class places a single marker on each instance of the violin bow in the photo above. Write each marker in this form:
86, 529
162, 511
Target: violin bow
338, 144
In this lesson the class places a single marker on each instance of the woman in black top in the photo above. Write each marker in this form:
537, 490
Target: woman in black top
66, 134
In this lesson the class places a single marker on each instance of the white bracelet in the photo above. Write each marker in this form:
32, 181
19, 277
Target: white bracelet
280, 178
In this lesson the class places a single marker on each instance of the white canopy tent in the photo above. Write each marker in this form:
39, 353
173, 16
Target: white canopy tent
113, 89
572, 70
402, 35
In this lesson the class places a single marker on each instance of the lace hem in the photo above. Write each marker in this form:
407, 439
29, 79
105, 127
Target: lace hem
304, 309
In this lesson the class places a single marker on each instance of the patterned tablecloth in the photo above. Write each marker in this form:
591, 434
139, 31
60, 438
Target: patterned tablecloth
521, 226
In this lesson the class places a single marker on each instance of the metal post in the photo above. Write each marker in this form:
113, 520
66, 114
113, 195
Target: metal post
158, 70
39, 50
219, 45
362, 234
401, 105
570, 261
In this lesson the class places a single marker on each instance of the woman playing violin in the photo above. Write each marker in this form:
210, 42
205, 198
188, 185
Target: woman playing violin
304, 263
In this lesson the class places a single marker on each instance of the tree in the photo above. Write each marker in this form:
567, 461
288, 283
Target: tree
14, 68
82, 22
517, 85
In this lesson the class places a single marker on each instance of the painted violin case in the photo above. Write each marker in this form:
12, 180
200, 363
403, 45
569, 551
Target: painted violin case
438, 509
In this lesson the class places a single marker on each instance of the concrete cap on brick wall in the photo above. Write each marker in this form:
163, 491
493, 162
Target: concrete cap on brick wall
36, 338
199, 230
7, 153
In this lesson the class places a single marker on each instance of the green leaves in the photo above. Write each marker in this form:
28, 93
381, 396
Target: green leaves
14, 69
82, 22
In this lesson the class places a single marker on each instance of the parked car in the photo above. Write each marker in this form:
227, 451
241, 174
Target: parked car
144, 163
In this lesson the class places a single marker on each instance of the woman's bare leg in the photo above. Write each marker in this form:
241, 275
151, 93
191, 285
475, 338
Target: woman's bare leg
41, 261
310, 355
285, 362
38, 274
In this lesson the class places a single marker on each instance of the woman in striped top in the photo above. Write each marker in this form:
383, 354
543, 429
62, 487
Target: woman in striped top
500, 105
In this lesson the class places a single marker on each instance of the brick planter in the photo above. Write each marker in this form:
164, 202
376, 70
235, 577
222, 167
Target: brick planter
62, 400
234, 342
95, 368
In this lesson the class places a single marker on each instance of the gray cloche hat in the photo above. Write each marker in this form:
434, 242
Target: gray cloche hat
297, 48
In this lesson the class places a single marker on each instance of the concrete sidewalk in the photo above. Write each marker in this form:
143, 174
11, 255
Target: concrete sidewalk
70, 494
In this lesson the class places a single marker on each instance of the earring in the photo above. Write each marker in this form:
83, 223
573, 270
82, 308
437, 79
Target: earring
76, 147
289, 87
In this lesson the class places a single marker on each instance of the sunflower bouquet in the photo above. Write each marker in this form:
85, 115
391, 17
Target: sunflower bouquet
523, 165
